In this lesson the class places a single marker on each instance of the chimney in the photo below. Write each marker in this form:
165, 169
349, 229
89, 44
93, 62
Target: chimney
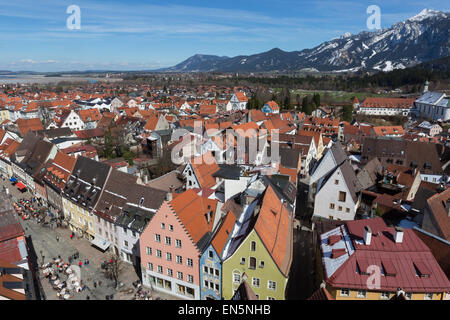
367, 235
169, 196
171, 188
398, 235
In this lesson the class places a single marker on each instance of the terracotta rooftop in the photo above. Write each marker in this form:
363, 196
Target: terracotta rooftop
192, 209
274, 227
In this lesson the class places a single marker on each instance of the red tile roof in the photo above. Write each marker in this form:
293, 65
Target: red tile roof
440, 215
191, 209
373, 102
224, 231
402, 259
274, 227
204, 169
26, 125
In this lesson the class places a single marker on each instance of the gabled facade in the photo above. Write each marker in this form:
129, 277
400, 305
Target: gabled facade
338, 194
260, 249
271, 107
237, 102
211, 262
172, 243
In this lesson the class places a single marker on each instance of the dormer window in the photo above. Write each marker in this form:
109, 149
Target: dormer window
141, 201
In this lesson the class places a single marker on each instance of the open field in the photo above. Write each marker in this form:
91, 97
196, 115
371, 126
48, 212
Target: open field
341, 96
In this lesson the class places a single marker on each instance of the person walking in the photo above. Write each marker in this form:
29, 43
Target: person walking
80, 264
57, 238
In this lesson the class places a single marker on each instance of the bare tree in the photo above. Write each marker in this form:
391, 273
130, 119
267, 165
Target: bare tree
113, 268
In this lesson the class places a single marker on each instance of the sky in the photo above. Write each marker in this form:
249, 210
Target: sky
146, 35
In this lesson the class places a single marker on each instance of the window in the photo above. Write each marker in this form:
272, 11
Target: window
236, 277
272, 285
336, 181
216, 271
253, 246
211, 254
170, 227
217, 287
345, 293
252, 263
150, 266
168, 256
125, 243
205, 284
205, 269
158, 253
342, 196
179, 259
190, 278
133, 234
361, 294
261, 264
157, 238
270, 298
340, 208
189, 262
242, 260
255, 282
169, 272
385, 295
160, 269
331, 205
149, 251
347, 210
180, 275
211, 271
168, 241
408, 295
124, 230
178, 243
163, 226
428, 296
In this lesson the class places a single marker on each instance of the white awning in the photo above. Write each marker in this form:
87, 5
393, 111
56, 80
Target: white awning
101, 243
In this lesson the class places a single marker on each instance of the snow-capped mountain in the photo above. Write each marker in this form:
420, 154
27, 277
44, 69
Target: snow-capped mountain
418, 39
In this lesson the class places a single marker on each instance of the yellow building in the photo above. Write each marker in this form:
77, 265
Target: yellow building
81, 194
349, 294
4, 115
263, 257
367, 260
81, 221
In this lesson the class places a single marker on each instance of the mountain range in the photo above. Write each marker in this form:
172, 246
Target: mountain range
418, 39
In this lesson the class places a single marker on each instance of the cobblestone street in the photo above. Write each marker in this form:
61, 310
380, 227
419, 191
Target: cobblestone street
47, 247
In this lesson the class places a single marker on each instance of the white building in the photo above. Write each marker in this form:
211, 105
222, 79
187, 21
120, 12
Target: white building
386, 106
433, 106
338, 194
237, 102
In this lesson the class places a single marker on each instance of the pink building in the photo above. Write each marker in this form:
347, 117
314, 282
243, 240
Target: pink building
172, 243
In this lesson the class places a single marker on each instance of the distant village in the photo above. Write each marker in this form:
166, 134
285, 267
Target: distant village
98, 162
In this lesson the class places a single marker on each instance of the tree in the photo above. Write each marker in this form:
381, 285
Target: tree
128, 156
347, 112
316, 99
114, 268
108, 147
